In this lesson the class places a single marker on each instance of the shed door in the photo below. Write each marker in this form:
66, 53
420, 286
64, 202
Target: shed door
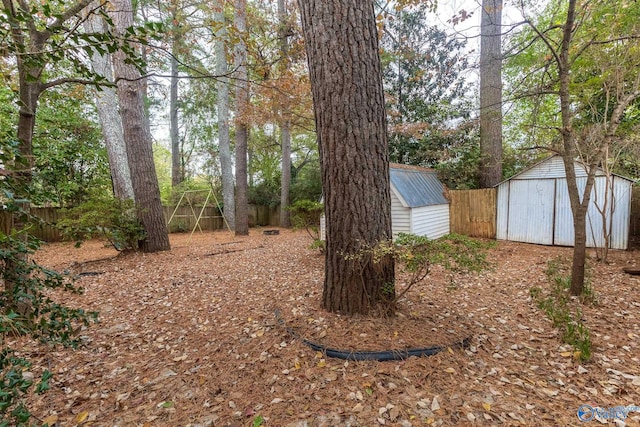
531, 206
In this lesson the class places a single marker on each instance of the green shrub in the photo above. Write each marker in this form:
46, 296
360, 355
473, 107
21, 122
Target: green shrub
28, 310
556, 304
416, 255
108, 218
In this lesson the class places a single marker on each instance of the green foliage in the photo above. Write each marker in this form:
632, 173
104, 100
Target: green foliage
416, 255
109, 218
258, 421
306, 181
29, 310
70, 158
603, 59
556, 304
305, 214
430, 119
454, 252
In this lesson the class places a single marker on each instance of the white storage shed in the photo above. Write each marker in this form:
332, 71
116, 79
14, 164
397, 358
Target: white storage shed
418, 202
533, 206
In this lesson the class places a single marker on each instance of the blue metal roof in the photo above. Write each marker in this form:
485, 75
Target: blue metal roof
417, 186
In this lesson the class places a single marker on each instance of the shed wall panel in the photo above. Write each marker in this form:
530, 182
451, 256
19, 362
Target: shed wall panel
400, 216
531, 211
430, 221
502, 214
550, 169
619, 217
563, 233
623, 190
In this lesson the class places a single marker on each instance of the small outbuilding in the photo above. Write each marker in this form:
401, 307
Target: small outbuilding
419, 204
534, 207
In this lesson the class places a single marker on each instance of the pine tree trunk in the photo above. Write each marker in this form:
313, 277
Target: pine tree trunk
177, 172
109, 116
241, 121
285, 131
490, 94
342, 50
285, 181
137, 135
224, 142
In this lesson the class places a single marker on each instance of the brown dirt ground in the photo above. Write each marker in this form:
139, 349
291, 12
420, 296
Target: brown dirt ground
189, 338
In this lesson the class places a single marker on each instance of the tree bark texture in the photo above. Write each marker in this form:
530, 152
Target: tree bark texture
21, 167
285, 128
342, 49
138, 140
578, 207
490, 94
224, 142
285, 180
241, 120
177, 171
109, 116
177, 175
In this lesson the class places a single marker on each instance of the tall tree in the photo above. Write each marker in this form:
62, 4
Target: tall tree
491, 93
130, 88
33, 39
224, 142
285, 127
108, 114
582, 58
428, 109
346, 81
177, 168
241, 119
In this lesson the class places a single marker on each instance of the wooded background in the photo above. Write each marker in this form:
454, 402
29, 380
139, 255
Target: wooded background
472, 213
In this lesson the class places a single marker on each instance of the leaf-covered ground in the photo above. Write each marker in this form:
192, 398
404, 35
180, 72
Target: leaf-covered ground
191, 337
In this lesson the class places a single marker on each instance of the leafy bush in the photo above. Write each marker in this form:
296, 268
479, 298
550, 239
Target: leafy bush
28, 310
109, 218
416, 255
305, 214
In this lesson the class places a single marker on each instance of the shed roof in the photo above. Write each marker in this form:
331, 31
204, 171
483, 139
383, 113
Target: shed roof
553, 167
416, 186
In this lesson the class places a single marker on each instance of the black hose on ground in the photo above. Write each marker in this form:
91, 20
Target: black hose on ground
380, 356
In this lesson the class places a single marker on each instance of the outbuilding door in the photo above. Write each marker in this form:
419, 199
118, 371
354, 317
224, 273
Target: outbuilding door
531, 211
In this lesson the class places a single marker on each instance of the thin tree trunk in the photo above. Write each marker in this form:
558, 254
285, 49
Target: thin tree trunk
490, 94
138, 139
285, 131
176, 153
109, 116
578, 207
224, 142
242, 128
346, 81
177, 175
285, 181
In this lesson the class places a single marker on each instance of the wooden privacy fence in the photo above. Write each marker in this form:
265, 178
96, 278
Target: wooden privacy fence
184, 220
473, 212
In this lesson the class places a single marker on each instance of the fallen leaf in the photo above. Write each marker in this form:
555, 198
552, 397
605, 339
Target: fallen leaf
81, 417
50, 420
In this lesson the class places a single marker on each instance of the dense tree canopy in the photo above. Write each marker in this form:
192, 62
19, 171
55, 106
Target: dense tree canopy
428, 101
